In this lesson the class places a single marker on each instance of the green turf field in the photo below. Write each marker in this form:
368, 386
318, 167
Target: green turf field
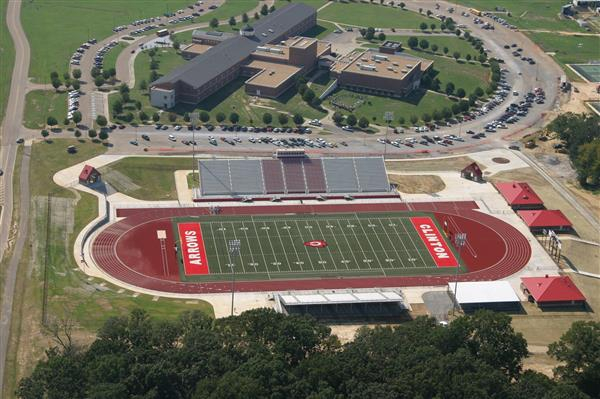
272, 247
375, 15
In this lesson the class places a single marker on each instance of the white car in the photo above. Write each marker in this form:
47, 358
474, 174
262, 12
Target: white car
172, 138
177, 127
347, 128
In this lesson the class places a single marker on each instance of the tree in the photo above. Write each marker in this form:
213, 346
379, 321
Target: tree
106, 74
204, 116
143, 116
143, 84
370, 33
99, 81
363, 122
449, 88
155, 117
256, 16
308, 95
351, 120
245, 18
381, 36
434, 48
101, 120
456, 55
76, 85
578, 351
177, 45
95, 71
423, 26
437, 115
92, 134
460, 92
153, 76
45, 134
283, 119
420, 10
214, 23
264, 10
468, 57
267, 118
587, 164
76, 117
173, 116
482, 58
426, 117
457, 32
271, 9
414, 119
429, 13
53, 75
51, 121
138, 104
234, 118
232, 21
103, 135
455, 109
402, 5
337, 118
56, 83
442, 26
298, 119
412, 42
401, 120
117, 106
424, 44
445, 50
432, 26
447, 113
76, 73
77, 133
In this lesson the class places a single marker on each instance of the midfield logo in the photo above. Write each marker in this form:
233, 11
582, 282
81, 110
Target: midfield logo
316, 243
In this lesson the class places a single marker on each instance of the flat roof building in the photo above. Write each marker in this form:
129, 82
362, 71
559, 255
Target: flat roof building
394, 75
493, 295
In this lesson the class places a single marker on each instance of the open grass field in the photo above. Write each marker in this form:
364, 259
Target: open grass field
321, 30
419, 102
7, 59
110, 60
56, 28
569, 49
154, 179
375, 15
86, 302
531, 14
430, 165
40, 104
275, 247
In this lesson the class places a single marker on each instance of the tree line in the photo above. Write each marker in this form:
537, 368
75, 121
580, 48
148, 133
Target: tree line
264, 354
581, 133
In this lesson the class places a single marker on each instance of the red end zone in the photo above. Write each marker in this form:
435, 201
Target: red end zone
193, 252
435, 243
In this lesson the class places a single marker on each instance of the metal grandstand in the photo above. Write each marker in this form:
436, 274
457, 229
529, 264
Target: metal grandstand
292, 176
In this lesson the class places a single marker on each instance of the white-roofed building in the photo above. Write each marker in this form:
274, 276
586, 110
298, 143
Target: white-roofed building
493, 295
373, 304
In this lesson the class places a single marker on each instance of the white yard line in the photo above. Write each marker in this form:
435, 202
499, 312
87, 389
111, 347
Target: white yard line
254, 263
277, 262
394, 224
240, 254
371, 245
391, 241
305, 248
283, 246
329, 249
299, 262
260, 246
413, 242
349, 246
366, 259
215, 247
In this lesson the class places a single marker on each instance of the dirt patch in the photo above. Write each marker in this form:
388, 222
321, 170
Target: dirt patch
500, 160
581, 256
439, 165
418, 184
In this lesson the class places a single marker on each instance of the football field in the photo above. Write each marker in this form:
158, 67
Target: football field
312, 246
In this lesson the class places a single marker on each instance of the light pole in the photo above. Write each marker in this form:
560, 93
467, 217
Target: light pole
233, 246
388, 117
460, 240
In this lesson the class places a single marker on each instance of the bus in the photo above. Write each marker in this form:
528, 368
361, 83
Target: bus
162, 32
475, 12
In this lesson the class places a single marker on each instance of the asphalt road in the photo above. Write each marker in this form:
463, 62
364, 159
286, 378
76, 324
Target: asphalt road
10, 131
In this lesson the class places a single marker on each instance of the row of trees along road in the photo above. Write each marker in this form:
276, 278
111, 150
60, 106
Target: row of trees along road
263, 354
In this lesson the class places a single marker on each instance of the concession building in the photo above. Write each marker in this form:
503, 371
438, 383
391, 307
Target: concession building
271, 55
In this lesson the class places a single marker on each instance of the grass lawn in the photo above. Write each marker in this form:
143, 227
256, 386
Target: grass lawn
7, 59
153, 176
569, 49
39, 104
110, 60
530, 14
321, 83
233, 98
452, 42
417, 103
55, 29
377, 16
321, 30
313, 3
430, 165
231, 8
417, 184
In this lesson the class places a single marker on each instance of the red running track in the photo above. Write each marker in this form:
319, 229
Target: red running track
495, 249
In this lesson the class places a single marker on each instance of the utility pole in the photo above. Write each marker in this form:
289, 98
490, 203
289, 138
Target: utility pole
460, 240
233, 246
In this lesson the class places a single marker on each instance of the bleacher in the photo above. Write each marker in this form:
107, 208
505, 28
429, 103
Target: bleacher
292, 176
